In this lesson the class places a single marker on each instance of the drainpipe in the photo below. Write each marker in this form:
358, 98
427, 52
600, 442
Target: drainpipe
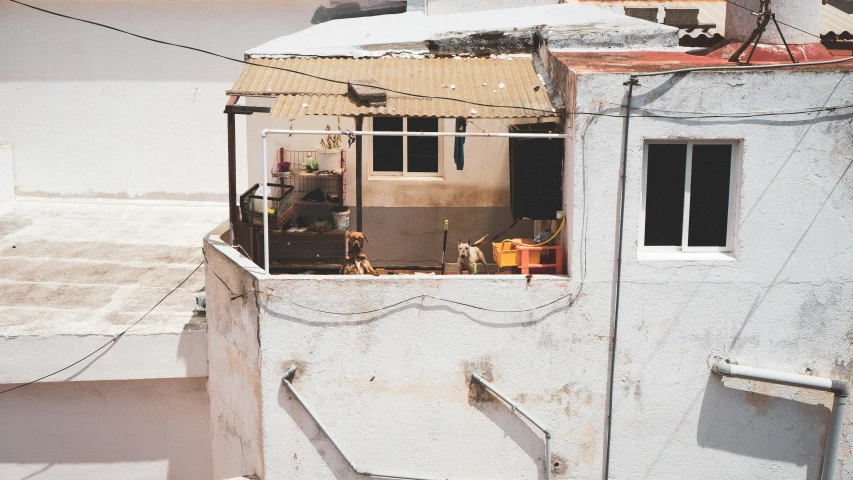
516, 408
839, 404
632, 81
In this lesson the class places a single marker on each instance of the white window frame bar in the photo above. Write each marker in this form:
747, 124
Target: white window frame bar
268, 131
734, 170
405, 173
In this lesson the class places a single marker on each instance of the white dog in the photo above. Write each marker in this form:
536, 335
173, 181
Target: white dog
468, 256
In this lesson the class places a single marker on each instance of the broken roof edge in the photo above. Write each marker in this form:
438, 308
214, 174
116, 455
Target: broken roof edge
414, 34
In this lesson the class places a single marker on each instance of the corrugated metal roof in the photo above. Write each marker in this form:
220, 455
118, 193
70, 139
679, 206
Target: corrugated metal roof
476, 80
833, 21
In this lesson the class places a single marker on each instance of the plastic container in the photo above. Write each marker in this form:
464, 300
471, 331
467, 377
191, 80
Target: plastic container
341, 219
329, 159
506, 254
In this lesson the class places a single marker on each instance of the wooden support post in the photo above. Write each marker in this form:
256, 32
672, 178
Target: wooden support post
359, 123
233, 212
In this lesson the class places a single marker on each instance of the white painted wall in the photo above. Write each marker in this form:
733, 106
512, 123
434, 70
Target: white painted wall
484, 182
93, 113
141, 429
234, 380
7, 174
393, 387
782, 303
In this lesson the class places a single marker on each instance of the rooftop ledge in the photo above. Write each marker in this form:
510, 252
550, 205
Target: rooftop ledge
339, 296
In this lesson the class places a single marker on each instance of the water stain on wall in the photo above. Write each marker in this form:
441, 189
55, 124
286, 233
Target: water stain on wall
476, 392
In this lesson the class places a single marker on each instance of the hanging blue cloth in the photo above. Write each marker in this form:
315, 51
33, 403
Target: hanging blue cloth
458, 144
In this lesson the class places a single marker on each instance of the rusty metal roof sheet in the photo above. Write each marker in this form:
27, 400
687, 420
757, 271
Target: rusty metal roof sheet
510, 83
833, 21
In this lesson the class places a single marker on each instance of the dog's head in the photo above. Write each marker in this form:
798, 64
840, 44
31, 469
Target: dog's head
356, 240
463, 248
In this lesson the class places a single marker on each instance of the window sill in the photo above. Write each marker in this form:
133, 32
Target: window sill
406, 178
687, 256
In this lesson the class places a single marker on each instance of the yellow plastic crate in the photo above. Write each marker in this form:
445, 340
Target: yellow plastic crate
506, 255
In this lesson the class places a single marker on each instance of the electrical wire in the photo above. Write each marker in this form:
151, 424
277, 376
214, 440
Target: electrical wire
546, 241
112, 340
777, 20
549, 112
432, 297
289, 70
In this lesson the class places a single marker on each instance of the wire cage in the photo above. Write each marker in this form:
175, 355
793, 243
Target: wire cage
279, 205
310, 187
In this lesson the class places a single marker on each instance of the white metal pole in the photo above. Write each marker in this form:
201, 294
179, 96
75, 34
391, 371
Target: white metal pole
264, 206
416, 134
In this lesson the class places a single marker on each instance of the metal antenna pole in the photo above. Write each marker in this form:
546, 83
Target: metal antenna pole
779, 29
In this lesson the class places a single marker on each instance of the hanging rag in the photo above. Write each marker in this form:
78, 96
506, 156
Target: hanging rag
459, 143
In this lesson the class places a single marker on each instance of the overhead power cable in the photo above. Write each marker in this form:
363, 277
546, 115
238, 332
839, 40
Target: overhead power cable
549, 112
289, 70
110, 341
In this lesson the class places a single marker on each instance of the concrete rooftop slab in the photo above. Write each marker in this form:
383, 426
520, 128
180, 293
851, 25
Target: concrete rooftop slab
94, 268
73, 275
564, 25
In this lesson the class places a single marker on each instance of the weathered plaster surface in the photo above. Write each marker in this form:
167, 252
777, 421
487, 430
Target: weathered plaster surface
234, 374
803, 14
94, 113
783, 302
73, 275
142, 429
413, 32
393, 386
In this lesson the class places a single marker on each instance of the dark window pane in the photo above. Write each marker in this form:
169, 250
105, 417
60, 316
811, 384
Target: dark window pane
423, 151
709, 195
387, 151
665, 194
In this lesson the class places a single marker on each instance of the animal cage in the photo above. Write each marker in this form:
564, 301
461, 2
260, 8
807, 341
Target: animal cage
324, 187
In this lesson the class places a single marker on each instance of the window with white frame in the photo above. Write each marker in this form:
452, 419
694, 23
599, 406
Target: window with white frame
405, 156
689, 193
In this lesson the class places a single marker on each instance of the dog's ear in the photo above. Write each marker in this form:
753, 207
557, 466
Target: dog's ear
347, 234
469, 241
365, 237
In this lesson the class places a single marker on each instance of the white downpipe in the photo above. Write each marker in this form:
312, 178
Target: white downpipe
839, 404
267, 131
264, 206
515, 408
775, 376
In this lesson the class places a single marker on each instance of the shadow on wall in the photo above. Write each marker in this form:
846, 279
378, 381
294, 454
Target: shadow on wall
763, 426
106, 422
530, 440
330, 455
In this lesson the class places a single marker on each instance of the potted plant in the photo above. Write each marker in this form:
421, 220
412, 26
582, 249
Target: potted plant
329, 153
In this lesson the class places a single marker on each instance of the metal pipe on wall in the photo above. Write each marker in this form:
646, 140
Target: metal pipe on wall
523, 413
839, 404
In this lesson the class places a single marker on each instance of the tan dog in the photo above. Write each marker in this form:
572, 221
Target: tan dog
356, 262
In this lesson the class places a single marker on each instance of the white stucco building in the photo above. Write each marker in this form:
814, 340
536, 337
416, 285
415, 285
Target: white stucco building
713, 223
